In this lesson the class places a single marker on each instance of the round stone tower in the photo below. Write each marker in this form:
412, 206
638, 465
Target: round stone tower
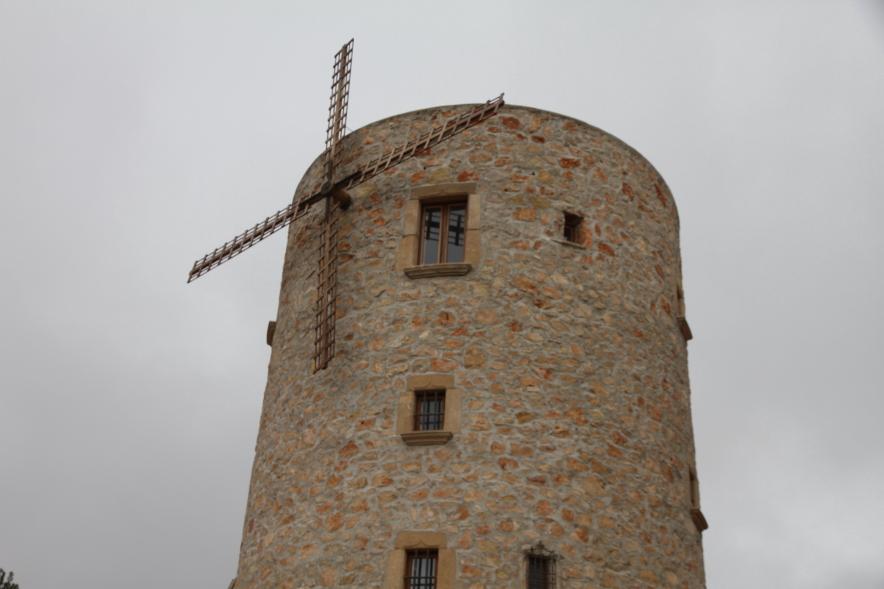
509, 392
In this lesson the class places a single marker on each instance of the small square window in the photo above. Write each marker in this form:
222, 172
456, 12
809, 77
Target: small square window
429, 410
541, 571
420, 568
443, 233
572, 227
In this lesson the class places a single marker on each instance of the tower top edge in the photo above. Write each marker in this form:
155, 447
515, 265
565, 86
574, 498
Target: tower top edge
510, 108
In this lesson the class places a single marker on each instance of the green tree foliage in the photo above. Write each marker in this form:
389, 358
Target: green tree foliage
7, 583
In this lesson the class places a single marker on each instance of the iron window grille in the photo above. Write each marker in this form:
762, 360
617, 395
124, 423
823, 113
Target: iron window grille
541, 567
443, 233
572, 227
420, 568
429, 410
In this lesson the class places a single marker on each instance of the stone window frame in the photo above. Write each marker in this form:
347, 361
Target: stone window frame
409, 246
581, 230
394, 576
405, 410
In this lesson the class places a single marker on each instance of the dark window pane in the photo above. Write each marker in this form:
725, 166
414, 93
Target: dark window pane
572, 227
432, 226
457, 233
541, 572
536, 574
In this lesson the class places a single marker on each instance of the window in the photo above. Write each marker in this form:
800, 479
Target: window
572, 227
421, 560
420, 568
541, 572
429, 410
443, 233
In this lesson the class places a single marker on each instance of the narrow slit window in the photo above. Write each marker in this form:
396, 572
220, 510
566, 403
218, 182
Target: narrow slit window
572, 227
443, 233
541, 568
695, 489
420, 568
429, 410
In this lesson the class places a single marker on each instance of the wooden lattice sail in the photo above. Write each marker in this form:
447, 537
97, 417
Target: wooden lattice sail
334, 193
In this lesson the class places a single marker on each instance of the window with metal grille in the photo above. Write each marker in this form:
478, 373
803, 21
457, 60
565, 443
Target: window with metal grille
572, 227
429, 410
443, 233
541, 571
420, 568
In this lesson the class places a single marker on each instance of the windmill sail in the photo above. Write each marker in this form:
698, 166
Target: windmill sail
242, 242
326, 289
337, 107
395, 156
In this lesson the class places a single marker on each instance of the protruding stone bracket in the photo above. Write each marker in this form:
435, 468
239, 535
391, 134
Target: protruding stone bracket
271, 331
685, 329
699, 520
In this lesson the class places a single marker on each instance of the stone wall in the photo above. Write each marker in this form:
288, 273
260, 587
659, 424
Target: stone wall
575, 423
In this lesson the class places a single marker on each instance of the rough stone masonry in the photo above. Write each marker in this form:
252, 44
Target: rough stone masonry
571, 422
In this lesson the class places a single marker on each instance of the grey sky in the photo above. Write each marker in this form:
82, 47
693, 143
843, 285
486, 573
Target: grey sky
136, 136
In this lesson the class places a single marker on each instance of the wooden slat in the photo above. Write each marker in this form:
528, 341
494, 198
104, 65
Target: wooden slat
242, 242
338, 105
326, 289
448, 129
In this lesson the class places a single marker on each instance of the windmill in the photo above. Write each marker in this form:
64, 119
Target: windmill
333, 192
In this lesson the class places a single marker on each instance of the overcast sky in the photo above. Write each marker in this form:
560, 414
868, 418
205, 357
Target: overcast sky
135, 136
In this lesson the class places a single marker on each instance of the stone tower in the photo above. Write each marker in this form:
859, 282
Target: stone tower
509, 395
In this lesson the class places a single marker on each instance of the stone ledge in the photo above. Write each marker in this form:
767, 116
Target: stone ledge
447, 189
434, 270
699, 520
573, 244
414, 539
685, 329
427, 438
